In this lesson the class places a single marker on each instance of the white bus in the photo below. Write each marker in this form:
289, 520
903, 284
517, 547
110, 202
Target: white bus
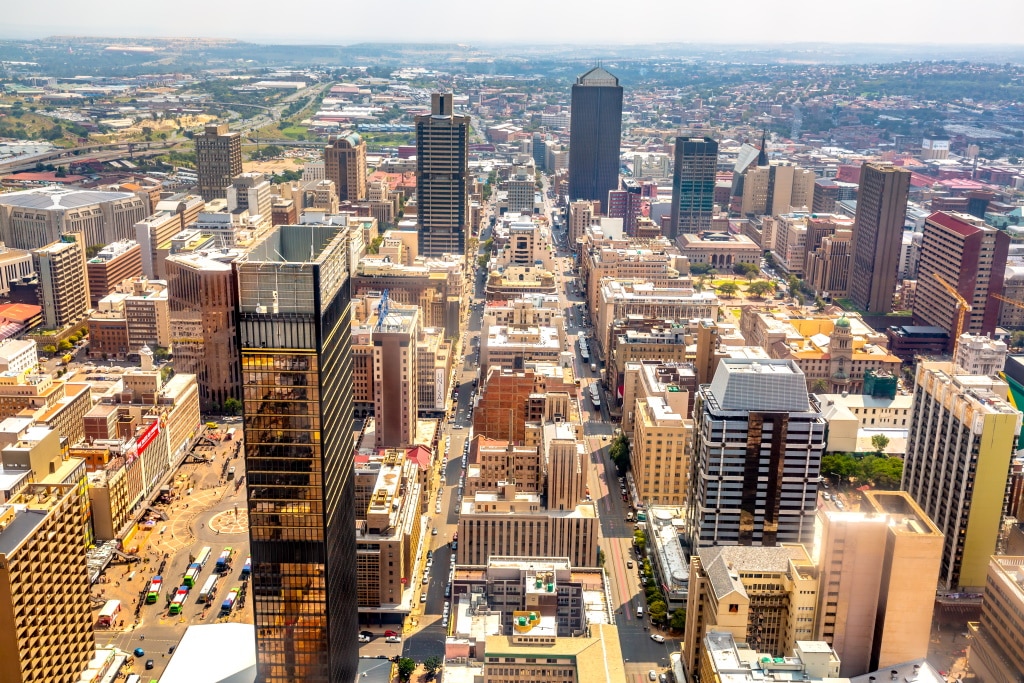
107, 614
209, 589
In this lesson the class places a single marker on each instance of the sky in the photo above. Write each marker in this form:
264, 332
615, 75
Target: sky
906, 22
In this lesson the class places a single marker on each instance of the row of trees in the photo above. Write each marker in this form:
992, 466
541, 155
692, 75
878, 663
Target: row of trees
878, 470
407, 665
657, 606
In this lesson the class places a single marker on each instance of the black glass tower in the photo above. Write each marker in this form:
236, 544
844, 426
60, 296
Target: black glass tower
294, 334
693, 186
595, 132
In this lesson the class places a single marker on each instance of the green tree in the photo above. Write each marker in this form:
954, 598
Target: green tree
600, 557
232, 406
889, 474
1017, 339
678, 620
640, 539
879, 442
819, 386
405, 668
840, 466
700, 268
728, 289
432, 665
160, 353
50, 349
374, 246
64, 345
760, 289
619, 453
658, 610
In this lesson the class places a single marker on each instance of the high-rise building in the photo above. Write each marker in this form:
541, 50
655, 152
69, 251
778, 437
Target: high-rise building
294, 325
693, 185
218, 160
961, 438
46, 611
595, 133
877, 574
345, 164
203, 297
581, 215
970, 256
63, 286
114, 264
442, 178
877, 235
250, 192
395, 375
759, 442
997, 639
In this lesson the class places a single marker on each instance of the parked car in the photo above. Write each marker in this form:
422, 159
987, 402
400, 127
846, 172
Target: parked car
652, 675
393, 639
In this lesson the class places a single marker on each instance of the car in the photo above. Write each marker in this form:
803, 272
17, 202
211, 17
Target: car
390, 633
426, 580
364, 638
604, 437
657, 637
368, 634
433, 532
448, 591
430, 554
423, 597
393, 639
150, 664
139, 652
629, 564
652, 675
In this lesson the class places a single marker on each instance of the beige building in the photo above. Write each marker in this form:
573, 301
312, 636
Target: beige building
251, 194
854, 418
662, 434
533, 654
512, 346
653, 261
980, 355
345, 165
777, 189
63, 286
764, 596
154, 232
581, 216
512, 523
996, 652
720, 249
388, 535
827, 268
723, 659
395, 375
41, 557
878, 572
141, 308
435, 285
517, 281
218, 160
15, 267
434, 369
114, 264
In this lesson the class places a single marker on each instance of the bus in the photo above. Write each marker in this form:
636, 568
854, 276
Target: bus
229, 602
179, 601
247, 568
133, 678
209, 589
203, 556
224, 561
153, 594
595, 395
191, 575
230, 434
107, 614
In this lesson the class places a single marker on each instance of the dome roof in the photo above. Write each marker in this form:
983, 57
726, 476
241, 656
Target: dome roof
843, 322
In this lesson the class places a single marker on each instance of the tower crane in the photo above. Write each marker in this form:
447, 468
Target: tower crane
962, 308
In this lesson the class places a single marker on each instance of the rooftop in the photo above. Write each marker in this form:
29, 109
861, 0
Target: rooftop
760, 385
59, 198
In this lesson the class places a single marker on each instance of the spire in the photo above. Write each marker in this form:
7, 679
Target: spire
762, 156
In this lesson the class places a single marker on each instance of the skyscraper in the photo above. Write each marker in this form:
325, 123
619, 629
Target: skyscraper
878, 235
961, 438
693, 185
395, 330
345, 164
63, 287
970, 256
442, 178
760, 438
218, 160
296, 361
595, 132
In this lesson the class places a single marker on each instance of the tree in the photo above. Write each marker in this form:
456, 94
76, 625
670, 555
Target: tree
879, 442
819, 386
619, 453
678, 620
160, 353
760, 289
405, 668
728, 289
658, 610
840, 466
50, 349
1017, 339
640, 540
600, 557
700, 268
374, 246
889, 474
432, 665
232, 406
64, 345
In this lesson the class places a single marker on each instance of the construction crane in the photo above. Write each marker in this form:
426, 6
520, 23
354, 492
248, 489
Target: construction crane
962, 309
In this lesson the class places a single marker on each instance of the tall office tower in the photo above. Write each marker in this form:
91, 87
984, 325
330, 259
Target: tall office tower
878, 570
395, 374
755, 420
693, 185
595, 133
997, 639
442, 178
294, 327
970, 256
540, 151
961, 438
203, 299
345, 164
218, 160
46, 612
877, 235
63, 285
251, 192
581, 215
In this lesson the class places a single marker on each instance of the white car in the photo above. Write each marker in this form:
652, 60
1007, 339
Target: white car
423, 597
363, 638
652, 675
657, 638
393, 639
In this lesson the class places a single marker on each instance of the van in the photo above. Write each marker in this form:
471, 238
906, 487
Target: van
639, 612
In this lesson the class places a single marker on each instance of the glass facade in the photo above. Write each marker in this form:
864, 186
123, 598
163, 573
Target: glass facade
297, 395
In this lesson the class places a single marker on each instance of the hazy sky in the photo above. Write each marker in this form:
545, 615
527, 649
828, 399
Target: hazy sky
531, 21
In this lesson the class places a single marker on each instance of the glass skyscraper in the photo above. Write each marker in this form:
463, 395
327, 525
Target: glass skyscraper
296, 366
693, 186
595, 133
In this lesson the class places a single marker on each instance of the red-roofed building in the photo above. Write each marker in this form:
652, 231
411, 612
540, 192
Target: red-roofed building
971, 257
27, 315
40, 178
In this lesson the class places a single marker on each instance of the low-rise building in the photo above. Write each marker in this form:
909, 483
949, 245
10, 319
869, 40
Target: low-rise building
725, 659
512, 346
517, 281
980, 354
720, 249
134, 316
854, 418
533, 654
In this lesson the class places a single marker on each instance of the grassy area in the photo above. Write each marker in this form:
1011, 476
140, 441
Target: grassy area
388, 139
296, 132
